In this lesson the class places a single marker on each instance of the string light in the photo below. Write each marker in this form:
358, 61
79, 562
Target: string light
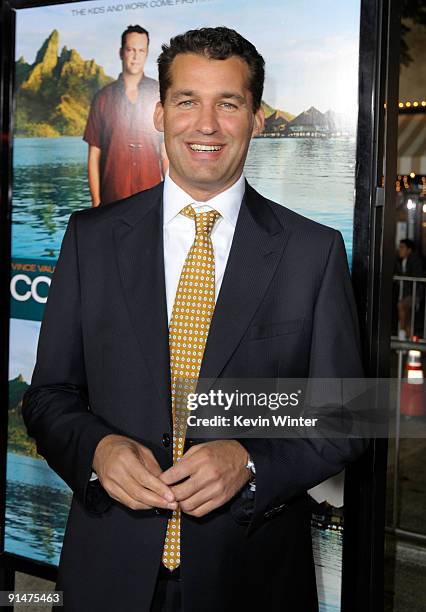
410, 103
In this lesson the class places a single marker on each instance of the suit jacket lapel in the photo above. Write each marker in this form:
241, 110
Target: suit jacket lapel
139, 250
257, 247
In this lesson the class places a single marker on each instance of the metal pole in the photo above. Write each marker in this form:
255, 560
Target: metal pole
412, 536
424, 320
413, 309
401, 285
395, 508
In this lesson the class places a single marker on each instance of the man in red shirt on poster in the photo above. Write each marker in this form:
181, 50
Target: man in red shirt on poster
124, 147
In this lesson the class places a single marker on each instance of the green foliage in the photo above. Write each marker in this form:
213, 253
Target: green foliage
267, 109
18, 440
54, 94
17, 388
275, 119
22, 70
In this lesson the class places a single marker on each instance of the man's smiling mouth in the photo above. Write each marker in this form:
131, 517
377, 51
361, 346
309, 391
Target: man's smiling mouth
205, 148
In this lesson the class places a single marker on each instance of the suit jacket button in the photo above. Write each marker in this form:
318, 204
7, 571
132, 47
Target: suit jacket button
166, 439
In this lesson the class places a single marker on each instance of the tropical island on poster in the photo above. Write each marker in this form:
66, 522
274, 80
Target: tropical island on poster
18, 440
53, 97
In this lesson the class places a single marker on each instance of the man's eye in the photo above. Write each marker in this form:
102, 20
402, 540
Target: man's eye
186, 103
228, 106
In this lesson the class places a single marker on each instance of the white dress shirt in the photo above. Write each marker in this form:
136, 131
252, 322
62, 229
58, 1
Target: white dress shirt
179, 231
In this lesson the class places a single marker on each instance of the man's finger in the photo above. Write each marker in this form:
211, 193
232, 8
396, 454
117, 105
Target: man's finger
182, 469
189, 487
200, 498
148, 497
137, 497
148, 459
205, 508
134, 478
194, 449
142, 475
120, 495
149, 481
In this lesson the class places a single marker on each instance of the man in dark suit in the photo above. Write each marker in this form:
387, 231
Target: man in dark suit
263, 293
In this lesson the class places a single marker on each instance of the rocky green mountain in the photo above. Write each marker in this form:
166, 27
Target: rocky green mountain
276, 120
53, 94
17, 388
270, 112
18, 440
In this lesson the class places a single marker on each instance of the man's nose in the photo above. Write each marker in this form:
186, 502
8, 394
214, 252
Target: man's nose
207, 121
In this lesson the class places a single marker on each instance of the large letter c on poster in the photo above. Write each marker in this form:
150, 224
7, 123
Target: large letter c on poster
32, 292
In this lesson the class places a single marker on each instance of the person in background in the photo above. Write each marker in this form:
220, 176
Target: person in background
125, 150
408, 264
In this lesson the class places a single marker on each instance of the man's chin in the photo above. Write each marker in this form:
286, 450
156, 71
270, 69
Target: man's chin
207, 176
134, 72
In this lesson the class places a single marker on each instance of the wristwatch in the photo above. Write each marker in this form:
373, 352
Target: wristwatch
251, 468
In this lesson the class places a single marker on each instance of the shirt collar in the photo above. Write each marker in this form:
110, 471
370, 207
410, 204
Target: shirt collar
121, 85
226, 203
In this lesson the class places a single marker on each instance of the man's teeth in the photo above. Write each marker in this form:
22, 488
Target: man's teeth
199, 147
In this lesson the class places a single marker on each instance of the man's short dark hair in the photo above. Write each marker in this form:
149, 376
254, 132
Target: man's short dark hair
214, 43
408, 243
135, 29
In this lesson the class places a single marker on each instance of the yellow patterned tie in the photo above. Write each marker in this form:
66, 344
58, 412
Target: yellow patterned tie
189, 327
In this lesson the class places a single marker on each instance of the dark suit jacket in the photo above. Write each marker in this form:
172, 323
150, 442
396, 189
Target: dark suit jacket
285, 309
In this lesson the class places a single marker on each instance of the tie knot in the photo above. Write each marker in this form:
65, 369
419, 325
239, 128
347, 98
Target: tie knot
204, 221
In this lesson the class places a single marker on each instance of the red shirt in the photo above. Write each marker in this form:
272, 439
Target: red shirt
130, 145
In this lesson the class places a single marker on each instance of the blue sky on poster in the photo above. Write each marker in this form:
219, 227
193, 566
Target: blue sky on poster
310, 47
23, 347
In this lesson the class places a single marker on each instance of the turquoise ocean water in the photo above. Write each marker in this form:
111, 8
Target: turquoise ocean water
314, 177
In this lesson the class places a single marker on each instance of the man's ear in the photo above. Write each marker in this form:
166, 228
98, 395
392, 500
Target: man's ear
259, 122
120, 53
159, 117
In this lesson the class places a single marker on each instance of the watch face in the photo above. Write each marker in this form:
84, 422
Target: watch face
250, 466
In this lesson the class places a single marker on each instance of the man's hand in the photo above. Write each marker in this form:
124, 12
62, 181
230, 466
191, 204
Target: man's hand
94, 174
215, 471
129, 473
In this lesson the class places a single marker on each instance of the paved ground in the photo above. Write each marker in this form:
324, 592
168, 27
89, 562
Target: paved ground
23, 582
405, 577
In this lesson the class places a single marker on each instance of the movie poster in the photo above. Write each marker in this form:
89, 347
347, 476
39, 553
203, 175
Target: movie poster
305, 159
